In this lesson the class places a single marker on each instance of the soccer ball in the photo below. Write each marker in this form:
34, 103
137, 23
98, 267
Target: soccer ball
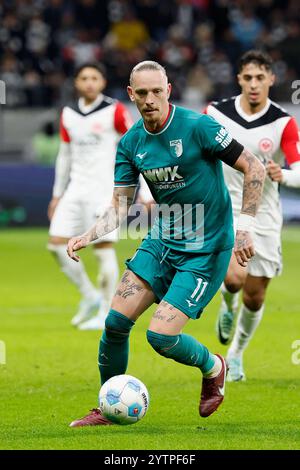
123, 399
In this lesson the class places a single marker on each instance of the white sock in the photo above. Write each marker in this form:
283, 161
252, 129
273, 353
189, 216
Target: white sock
247, 323
74, 271
215, 370
230, 299
108, 276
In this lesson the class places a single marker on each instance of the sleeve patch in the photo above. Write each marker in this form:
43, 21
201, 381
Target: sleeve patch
223, 137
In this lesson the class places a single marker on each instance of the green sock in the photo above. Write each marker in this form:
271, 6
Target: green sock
114, 346
182, 348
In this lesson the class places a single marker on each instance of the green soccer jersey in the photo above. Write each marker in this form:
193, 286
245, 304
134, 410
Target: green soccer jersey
182, 166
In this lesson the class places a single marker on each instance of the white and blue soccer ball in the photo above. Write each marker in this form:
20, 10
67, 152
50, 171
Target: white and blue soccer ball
123, 399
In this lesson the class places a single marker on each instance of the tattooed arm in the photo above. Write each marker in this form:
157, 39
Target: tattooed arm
254, 176
107, 222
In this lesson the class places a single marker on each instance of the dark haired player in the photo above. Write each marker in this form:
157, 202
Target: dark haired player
90, 130
272, 135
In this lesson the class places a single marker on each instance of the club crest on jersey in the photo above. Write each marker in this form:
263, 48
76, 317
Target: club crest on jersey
265, 145
97, 128
176, 147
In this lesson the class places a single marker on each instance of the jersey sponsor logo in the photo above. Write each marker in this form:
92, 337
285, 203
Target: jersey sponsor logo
223, 138
167, 174
176, 147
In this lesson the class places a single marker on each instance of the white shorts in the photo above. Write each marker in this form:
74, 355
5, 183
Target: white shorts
73, 217
267, 261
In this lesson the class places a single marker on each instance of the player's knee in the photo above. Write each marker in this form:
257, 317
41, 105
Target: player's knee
233, 282
162, 344
50, 247
54, 248
117, 325
253, 301
56, 241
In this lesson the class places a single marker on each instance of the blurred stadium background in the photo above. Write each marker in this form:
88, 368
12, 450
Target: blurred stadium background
199, 42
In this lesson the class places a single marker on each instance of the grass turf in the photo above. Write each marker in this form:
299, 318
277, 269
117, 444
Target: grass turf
51, 374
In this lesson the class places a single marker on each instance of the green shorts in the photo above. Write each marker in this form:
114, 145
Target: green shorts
188, 281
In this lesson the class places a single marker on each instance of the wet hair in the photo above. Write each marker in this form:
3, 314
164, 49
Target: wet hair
147, 65
93, 65
257, 57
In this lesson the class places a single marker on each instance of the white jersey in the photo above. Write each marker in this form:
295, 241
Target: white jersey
92, 133
271, 134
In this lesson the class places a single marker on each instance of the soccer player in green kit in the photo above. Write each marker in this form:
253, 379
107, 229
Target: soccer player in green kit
183, 260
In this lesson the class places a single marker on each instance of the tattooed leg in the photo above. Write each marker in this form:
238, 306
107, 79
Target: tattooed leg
167, 319
165, 337
133, 296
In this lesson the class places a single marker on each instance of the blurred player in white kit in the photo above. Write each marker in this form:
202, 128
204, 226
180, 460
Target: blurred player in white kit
90, 129
272, 135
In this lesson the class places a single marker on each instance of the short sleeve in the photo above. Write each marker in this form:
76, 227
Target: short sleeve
216, 141
290, 142
126, 174
122, 119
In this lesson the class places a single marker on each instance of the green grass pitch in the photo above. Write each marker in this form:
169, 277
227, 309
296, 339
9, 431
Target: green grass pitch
51, 375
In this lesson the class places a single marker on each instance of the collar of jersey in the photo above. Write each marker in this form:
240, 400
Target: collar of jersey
250, 117
167, 123
90, 107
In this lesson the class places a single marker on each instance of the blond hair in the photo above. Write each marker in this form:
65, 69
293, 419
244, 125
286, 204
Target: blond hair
147, 65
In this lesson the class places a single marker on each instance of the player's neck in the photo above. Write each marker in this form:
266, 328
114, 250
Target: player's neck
86, 106
89, 102
250, 109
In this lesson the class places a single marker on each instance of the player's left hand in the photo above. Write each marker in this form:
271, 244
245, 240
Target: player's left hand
243, 247
274, 171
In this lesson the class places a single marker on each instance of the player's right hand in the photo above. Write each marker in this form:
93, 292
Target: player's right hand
243, 247
75, 244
